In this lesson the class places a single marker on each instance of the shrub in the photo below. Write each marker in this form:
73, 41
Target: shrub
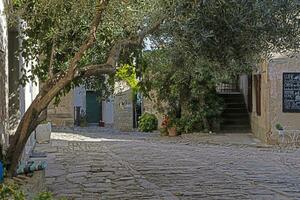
148, 122
13, 192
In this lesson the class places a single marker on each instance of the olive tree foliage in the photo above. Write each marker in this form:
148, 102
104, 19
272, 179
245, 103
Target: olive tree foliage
208, 42
69, 41
236, 33
54, 30
184, 89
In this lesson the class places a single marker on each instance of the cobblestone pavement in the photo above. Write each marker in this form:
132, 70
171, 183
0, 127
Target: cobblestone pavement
112, 165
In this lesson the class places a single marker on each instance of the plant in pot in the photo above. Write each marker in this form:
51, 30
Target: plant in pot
83, 119
172, 129
279, 127
164, 126
169, 125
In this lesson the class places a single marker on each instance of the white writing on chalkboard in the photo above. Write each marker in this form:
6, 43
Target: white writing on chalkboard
291, 92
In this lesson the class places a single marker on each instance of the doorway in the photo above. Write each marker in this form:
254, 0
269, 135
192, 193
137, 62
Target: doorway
93, 107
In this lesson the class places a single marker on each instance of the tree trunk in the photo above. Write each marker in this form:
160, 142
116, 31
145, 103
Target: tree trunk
57, 82
18, 141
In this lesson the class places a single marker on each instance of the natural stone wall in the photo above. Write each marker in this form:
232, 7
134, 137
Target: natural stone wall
149, 106
123, 111
62, 114
260, 124
3, 76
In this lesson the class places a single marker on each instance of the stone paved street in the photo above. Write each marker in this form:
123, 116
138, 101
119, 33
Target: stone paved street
112, 165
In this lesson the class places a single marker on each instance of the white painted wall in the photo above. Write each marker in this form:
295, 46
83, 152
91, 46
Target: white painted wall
244, 86
107, 106
80, 97
4, 78
108, 111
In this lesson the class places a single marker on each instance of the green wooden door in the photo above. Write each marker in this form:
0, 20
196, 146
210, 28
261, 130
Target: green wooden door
93, 107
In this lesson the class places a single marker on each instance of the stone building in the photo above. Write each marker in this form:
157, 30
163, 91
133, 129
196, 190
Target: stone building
62, 115
81, 103
273, 94
14, 99
258, 102
120, 111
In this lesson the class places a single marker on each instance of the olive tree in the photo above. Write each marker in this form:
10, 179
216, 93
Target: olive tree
71, 40
207, 42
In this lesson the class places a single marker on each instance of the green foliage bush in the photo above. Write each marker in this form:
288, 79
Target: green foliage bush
185, 89
148, 122
13, 192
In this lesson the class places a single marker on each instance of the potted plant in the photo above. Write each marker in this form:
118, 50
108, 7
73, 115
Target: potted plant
164, 126
101, 123
172, 129
43, 132
169, 126
83, 119
279, 127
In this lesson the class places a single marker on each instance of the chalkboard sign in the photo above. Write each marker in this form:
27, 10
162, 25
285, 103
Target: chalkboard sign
291, 92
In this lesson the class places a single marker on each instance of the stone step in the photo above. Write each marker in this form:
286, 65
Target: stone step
228, 130
235, 105
235, 110
236, 128
234, 115
235, 121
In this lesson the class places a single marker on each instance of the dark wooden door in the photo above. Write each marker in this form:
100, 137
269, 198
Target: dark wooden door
250, 104
93, 107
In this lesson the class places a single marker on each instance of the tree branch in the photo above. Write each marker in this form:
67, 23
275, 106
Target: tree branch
91, 70
62, 79
100, 8
42, 117
50, 70
114, 54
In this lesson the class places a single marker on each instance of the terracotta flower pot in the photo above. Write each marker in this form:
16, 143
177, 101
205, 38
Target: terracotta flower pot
172, 131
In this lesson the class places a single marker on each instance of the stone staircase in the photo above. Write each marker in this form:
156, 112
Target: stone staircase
235, 117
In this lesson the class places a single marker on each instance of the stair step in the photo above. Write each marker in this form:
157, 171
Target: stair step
235, 130
235, 115
231, 96
235, 110
236, 121
236, 127
229, 101
235, 105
